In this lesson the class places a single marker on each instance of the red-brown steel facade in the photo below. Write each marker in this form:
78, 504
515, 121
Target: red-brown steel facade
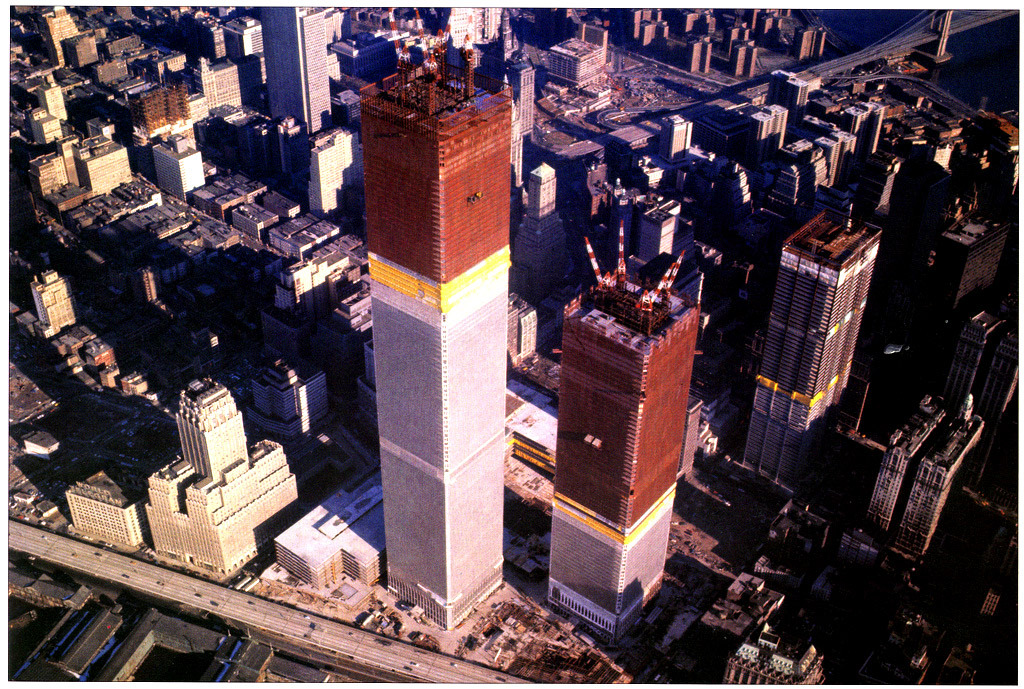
437, 181
621, 412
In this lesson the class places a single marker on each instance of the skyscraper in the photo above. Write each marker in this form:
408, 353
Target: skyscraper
627, 356
295, 41
904, 445
974, 337
335, 161
216, 505
56, 26
540, 258
55, 305
435, 137
816, 313
934, 480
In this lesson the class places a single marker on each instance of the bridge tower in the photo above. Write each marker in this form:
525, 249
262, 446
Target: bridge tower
935, 51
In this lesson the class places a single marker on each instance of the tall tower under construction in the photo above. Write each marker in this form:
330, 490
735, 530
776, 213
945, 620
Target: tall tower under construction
820, 294
627, 355
436, 150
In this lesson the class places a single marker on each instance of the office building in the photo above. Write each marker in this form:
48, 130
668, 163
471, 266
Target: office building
676, 134
999, 388
625, 377
975, 337
575, 62
342, 537
838, 148
904, 445
55, 304
697, 56
437, 219
216, 505
219, 83
522, 329
934, 480
289, 147
521, 76
368, 56
336, 161
243, 36
789, 91
770, 657
102, 509
295, 45
656, 234
815, 319
179, 166
967, 257
539, 260
56, 26
47, 173
875, 186
80, 51
691, 437
288, 401
45, 127
209, 34
51, 97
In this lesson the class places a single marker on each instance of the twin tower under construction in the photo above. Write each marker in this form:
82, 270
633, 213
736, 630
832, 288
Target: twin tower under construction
437, 147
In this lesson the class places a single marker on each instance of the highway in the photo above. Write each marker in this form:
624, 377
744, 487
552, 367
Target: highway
323, 640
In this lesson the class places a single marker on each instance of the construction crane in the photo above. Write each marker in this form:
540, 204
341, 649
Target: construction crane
601, 281
620, 269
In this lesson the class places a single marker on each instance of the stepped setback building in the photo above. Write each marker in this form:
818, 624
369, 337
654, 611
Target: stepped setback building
216, 505
436, 145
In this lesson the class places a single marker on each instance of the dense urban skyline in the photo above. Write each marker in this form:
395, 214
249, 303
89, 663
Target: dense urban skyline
501, 344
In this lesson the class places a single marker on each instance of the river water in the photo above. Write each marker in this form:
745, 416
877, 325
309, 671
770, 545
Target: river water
985, 64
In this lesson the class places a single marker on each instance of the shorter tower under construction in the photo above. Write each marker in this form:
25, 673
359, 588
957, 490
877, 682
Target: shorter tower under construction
627, 354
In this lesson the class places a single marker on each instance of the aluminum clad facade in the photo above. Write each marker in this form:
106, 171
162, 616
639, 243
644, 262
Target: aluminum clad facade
820, 294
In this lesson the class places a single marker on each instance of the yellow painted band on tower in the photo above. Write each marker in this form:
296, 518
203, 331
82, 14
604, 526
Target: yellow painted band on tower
799, 396
443, 296
589, 518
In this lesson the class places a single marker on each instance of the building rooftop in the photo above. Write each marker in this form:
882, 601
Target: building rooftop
968, 232
575, 47
100, 487
535, 416
829, 240
353, 522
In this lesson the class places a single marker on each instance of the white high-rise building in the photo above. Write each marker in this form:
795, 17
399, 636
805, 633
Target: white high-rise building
437, 215
179, 166
335, 162
295, 47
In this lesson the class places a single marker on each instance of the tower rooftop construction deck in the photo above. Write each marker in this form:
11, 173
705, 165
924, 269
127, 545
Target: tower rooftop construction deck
439, 101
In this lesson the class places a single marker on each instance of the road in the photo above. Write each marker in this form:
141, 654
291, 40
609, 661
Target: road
906, 39
323, 640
